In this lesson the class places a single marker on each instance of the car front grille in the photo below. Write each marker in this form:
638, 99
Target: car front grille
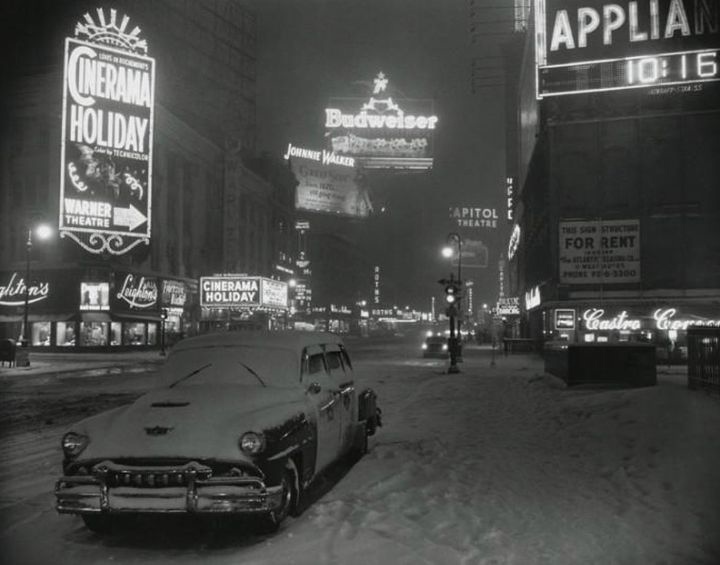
150, 476
146, 479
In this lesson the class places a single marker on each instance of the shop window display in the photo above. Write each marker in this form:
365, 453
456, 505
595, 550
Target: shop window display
152, 334
134, 334
40, 333
115, 334
65, 334
94, 333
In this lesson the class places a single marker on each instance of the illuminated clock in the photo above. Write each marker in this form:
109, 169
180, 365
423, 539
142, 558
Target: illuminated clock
664, 69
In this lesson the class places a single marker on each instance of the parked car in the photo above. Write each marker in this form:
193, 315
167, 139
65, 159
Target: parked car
240, 423
436, 346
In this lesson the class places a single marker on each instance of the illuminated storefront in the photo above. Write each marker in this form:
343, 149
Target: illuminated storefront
93, 309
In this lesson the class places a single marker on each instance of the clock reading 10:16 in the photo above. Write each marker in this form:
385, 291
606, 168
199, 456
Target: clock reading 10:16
672, 67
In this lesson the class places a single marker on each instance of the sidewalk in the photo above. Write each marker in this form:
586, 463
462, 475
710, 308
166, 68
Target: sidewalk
42, 363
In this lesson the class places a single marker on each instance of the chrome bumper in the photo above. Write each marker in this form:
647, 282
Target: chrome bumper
239, 495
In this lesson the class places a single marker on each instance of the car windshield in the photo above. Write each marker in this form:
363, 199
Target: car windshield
250, 366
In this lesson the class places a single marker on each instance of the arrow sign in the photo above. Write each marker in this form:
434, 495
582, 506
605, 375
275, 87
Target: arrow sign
129, 217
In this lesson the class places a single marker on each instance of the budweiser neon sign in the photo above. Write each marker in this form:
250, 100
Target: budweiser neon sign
378, 113
13, 292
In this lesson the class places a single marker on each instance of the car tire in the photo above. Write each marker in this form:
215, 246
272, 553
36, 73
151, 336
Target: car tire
270, 523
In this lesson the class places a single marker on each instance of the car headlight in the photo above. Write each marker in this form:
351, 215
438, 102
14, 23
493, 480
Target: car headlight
444, 346
424, 345
252, 443
73, 444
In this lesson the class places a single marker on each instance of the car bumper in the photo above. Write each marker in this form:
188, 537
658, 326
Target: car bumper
229, 495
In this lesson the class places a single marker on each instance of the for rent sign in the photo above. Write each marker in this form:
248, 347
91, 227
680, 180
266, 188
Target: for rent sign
599, 251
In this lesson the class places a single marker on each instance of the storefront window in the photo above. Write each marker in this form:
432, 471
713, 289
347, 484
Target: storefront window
65, 334
94, 333
115, 333
40, 332
152, 334
134, 334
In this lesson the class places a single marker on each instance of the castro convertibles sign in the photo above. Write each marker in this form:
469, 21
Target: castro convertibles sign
237, 291
595, 45
107, 124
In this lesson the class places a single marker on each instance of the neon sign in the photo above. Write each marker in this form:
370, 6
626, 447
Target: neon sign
514, 242
474, 217
107, 127
664, 320
379, 132
324, 157
138, 293
532, 298
13, 292
594, 321
616, 46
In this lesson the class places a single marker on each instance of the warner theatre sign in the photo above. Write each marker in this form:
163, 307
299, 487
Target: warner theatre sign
106, 153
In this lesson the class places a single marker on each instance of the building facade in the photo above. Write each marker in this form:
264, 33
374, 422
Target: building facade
215, 206
617, 208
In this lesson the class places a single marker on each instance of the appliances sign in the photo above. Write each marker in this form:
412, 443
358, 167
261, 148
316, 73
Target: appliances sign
380, 133
107, 125
600, 45
599, 251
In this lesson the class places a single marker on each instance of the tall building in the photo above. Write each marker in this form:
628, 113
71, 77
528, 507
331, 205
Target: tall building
215, 205
616, 122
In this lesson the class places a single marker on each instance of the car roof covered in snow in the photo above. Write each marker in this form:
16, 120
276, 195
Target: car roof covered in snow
288, 340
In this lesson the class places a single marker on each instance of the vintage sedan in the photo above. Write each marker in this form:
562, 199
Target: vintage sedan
241, 423
435, 346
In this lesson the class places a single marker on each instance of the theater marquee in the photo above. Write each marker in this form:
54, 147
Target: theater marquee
107, 131
600, 46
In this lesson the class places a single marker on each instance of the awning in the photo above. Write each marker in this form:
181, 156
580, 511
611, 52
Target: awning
102, 317
138, 317
63, 317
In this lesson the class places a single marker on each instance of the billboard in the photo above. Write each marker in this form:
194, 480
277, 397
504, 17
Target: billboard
474, 255
381, 132
328, 182
601, 46
107, 131
599, 251
240, 291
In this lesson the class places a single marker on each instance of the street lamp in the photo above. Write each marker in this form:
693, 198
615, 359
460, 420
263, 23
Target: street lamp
42, 232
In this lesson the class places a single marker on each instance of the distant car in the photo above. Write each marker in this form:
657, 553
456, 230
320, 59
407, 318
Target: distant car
241, 423
436, 346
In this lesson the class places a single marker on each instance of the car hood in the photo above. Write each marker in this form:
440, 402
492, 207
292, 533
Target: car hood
188, 422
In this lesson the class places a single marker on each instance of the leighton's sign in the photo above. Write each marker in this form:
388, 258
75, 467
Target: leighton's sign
14, 289
138, 291
106, 153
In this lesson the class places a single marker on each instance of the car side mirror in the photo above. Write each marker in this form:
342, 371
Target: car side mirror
314, 388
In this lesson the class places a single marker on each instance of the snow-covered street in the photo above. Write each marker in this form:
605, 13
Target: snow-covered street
498, 465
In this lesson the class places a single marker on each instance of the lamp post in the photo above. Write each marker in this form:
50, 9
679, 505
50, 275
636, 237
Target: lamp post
163, 317
42, 231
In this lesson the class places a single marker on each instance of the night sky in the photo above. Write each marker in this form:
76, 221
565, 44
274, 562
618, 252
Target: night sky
311, 50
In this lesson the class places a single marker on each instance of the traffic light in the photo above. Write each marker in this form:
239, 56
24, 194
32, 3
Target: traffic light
450, 293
